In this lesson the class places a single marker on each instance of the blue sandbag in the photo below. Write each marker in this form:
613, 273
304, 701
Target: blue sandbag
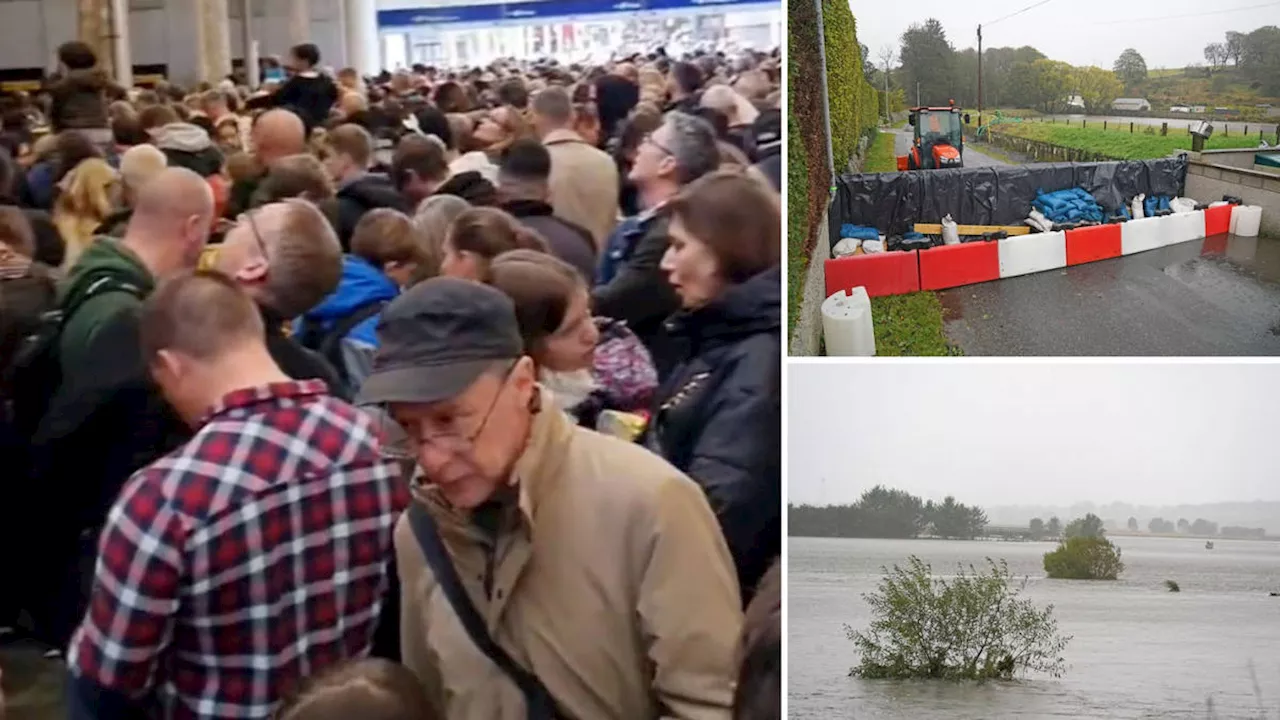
859, 232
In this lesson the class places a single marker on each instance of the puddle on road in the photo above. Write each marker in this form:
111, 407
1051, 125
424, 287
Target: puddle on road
1256, 257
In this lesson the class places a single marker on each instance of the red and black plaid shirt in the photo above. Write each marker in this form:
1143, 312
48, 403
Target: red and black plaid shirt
251, 557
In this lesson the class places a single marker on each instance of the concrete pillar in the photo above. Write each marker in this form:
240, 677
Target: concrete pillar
121, 54
249, 39
299, 22
364, 48
93, 28
215, 40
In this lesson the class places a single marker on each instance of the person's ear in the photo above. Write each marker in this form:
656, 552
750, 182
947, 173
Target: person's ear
167, 366
524, 380
253, 272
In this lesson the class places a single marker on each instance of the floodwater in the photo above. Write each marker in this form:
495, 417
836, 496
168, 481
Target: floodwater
1138, 651
1268, 128
1216, 296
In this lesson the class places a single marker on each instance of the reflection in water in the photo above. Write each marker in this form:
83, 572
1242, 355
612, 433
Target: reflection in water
1138, 651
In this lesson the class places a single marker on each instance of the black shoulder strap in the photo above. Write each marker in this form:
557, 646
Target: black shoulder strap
340, 328
539, 702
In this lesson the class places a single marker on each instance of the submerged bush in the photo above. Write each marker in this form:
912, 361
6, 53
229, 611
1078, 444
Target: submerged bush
1172, 585
970, 627
1084, 558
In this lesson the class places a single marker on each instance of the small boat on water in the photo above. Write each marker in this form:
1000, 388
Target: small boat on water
1208, 545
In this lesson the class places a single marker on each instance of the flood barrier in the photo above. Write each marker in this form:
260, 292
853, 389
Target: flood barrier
894, 202
948, 266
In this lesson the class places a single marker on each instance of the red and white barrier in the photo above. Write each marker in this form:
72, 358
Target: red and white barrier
1032, 253
951, 266
1141, 235
1183, 227
1217, 220
1090, 244
889, 273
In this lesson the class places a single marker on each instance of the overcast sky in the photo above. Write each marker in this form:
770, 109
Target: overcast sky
1035, 434
1081, 32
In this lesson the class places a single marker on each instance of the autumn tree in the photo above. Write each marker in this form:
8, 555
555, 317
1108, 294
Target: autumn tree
1097, 88
1130, 68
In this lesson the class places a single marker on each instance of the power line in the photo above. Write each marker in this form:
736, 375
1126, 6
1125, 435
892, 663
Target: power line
1185, 15
1017, 12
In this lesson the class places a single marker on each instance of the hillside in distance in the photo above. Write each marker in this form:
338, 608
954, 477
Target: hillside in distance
1246, 514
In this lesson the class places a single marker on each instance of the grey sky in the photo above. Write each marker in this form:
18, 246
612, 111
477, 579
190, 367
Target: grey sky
1002, 434
1081, 32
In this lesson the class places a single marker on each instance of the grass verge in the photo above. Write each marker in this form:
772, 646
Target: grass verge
1117, 141
880, 157
910, 325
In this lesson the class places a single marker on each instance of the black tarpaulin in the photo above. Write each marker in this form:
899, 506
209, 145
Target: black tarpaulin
994, 195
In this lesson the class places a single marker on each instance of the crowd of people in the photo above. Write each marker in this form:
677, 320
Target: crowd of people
438, 394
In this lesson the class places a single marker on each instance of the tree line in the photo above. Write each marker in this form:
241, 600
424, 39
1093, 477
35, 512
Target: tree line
885, 513
1199, 526
931, 71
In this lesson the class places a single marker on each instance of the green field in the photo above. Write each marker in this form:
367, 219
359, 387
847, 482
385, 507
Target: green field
1118, 142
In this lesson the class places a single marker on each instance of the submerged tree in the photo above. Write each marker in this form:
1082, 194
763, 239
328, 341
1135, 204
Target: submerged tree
1083, 557
971, 627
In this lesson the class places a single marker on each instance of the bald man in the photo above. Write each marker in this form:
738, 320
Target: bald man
105, 419
276, 134
138, 165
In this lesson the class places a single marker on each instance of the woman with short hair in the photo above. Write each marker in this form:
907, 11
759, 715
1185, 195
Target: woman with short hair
718, 416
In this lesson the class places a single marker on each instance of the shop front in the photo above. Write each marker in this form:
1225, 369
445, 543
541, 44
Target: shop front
573, 31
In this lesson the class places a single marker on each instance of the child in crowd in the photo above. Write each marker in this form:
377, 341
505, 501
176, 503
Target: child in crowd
370, 689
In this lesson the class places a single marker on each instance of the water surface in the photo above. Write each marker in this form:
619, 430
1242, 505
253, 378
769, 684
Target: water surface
1138, 651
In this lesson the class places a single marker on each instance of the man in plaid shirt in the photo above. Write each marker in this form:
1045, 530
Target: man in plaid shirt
253, 556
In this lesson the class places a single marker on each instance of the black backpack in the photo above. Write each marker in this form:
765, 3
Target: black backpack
29, 383
328, 341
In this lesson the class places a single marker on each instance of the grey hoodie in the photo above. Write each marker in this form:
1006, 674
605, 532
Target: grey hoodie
188, 146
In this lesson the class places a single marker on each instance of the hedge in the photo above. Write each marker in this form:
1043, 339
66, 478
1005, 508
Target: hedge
853, 108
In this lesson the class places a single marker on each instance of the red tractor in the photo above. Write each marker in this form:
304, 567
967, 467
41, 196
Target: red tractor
938, 140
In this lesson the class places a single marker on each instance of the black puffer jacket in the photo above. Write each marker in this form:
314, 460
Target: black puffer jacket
79, 100
718, 417
361, 195
570, 242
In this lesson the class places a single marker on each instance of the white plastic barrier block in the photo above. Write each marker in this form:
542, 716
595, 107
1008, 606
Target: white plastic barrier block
1184, 227
1032, 253
1141, 235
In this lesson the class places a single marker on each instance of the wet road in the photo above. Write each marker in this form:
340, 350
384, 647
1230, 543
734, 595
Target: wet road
972, 158
1267, 128
1137, 651
1218, 296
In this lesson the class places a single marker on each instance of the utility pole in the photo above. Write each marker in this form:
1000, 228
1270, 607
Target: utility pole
979, 76
826, 102
887, 120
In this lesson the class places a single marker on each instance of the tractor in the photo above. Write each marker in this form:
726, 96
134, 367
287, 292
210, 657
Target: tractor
938, 140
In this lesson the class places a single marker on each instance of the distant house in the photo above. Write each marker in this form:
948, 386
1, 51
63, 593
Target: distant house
1130, 104
1180, 109
1075, 102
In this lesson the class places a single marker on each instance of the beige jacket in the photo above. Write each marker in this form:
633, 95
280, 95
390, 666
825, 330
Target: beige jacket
611, 582
584, 184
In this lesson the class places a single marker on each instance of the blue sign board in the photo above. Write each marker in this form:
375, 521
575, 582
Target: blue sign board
536, 10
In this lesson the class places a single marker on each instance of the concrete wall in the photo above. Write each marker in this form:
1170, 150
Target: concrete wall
1234, 158
1207, 182
161, 32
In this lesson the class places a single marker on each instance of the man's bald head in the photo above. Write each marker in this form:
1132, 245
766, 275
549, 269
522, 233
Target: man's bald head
171, 220
277, 134
174, 192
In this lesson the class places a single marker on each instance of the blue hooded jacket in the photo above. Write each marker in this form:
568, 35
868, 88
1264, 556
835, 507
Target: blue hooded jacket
361, 284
